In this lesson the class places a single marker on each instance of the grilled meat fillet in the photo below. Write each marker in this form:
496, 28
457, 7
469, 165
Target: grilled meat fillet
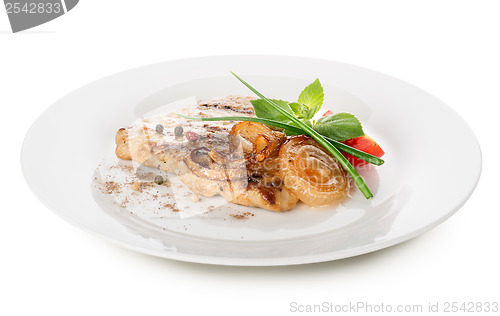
204, 156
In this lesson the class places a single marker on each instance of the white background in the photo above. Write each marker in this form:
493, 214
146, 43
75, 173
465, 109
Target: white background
449, 48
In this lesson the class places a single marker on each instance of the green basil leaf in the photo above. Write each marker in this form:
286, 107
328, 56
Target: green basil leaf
264, 110
296, 108
312, 96
312, 111
339, 126
302, 111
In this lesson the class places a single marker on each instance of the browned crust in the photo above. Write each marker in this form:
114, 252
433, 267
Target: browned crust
122, 148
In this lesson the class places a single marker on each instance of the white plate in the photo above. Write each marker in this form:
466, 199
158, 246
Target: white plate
433, 162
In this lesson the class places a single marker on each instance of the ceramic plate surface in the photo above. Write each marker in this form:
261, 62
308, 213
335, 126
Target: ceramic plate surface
422, 183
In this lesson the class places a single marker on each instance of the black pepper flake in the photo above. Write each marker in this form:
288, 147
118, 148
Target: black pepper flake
159, 180
178, 131
159, 129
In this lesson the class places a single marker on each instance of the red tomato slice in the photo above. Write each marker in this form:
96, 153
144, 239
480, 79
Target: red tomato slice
363, 143
327, 113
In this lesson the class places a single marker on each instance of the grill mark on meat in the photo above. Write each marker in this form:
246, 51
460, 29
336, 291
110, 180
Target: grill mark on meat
216, 129
243, 110
267, 193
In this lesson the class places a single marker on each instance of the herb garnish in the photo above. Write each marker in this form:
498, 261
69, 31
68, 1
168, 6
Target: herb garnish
295, 119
